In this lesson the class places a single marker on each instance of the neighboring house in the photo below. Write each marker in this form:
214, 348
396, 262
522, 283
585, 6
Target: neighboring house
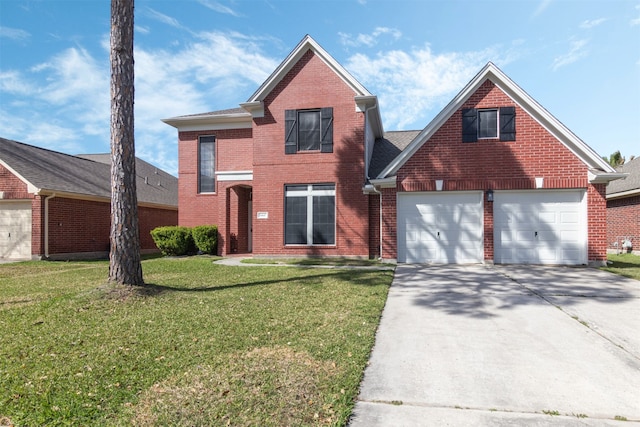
623, 210
57, 206
304, 167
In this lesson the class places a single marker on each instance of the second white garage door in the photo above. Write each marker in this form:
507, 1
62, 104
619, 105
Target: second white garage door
540, 227
440, 227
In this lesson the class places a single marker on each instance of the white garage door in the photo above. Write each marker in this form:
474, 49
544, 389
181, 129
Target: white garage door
440, 227
540, 227
15, 230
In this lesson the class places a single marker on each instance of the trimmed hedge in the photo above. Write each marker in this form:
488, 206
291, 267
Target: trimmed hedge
173, 240
206, 238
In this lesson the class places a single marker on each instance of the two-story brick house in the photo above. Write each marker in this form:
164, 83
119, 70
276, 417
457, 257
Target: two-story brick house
304, 167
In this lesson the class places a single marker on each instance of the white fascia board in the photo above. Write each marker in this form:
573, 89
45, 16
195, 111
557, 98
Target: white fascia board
234, 175
30, 187
389, 182
605, 178
211, 122
256, 109
621, 194
292, 59
585, 153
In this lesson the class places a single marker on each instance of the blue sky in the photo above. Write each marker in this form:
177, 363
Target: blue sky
579, 59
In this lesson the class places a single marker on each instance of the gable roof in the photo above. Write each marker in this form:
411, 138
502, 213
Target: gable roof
253, 107
86, 177
491, 72
629, 186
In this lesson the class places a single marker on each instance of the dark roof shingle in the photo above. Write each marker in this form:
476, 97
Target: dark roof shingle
631, 182
388, 148
88, 175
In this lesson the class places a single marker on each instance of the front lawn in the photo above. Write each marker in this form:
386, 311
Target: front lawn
205, 345
627, 265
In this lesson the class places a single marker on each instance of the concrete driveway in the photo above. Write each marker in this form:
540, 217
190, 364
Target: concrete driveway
504, 345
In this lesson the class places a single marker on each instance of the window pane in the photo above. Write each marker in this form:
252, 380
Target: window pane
324, 219
295, 231
487, 124
206, 180
308, 130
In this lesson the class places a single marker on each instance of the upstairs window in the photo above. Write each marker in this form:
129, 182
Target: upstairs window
309, 130
489, 124
206, 164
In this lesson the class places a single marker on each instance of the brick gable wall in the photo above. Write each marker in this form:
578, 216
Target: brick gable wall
310, 85
498, 165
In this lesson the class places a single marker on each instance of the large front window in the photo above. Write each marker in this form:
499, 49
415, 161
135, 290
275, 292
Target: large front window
310, 214
206, 164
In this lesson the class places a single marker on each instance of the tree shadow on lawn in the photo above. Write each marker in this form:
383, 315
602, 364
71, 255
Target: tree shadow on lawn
355, 277
481, 292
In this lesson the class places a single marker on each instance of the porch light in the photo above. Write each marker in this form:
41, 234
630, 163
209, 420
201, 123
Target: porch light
489, 195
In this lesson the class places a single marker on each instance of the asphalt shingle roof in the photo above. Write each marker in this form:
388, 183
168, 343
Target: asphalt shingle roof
387, 148
631, 182
84, 175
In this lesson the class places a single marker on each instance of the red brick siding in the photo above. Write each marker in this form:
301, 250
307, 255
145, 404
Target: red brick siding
12, 186
77, 226
597, 221
623, 219
374, 226
310, 84
234, 151
497, 165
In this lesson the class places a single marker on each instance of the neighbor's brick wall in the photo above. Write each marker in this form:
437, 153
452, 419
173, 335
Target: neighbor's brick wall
310, 84
77, 226
623, 219
11, 186
493, 164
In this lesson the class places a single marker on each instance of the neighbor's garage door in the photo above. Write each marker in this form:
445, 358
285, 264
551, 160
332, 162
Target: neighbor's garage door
440, 227
540, 227
15, 230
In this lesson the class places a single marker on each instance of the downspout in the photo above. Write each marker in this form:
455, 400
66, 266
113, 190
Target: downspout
46, 224
380, 215
379, 193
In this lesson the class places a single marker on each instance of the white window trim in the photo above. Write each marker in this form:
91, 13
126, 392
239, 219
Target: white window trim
309, 193
497, 110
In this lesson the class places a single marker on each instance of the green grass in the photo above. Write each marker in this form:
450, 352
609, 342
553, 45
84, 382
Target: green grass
358, 262
627, 265
205, 344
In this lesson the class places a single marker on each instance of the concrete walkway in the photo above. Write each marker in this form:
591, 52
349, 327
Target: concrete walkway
504, 345
236, 261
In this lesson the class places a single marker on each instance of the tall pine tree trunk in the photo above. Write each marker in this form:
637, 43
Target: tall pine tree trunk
124, 257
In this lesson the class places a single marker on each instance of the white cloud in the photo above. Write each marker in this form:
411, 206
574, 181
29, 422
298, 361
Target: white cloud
161, 17
142, 30
217, 7
369, 39
589, 23
409, 84
577, 51
544, 4
14, 33
12, 82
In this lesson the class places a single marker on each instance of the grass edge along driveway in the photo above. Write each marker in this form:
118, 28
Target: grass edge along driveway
204, 345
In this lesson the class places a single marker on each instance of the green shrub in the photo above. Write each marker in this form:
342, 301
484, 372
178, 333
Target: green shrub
173, 240
206, 238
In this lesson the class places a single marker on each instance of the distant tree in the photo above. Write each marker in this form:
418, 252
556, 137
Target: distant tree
124, 256
615, 159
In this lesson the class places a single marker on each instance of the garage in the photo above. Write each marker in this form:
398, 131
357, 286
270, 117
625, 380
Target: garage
15, 230
442, 227
540, 227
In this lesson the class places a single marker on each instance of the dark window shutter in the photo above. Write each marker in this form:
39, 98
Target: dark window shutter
469, 125
508, 124
326, 129
290, 132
